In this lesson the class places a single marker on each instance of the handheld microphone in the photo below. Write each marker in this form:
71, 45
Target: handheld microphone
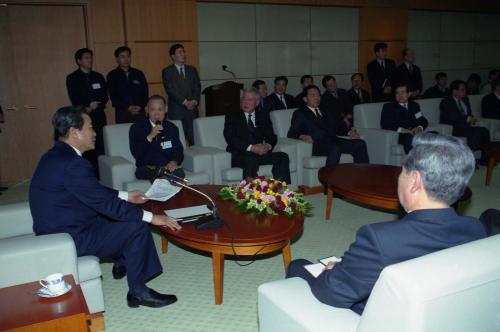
224, 68
157, 123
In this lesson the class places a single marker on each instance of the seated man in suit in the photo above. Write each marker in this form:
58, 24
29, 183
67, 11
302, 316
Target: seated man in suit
455, 110
409, 74
305, 81
487, 87
356, 94
490, 105
250, 139
380, 74
434, 176
65, 197
155, 144
321, 127
279, 99
335, 100
439, 90
403, 116
261, 88
472, 84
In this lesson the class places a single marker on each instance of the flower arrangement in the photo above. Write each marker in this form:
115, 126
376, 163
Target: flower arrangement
264, 194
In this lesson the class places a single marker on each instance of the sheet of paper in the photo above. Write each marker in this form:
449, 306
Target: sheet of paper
333, 259
188, 211
161, 190
316, 269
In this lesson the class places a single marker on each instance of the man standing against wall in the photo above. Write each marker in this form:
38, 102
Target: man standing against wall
380, 74
182, 85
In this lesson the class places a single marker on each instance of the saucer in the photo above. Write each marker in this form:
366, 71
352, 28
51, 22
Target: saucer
44, 292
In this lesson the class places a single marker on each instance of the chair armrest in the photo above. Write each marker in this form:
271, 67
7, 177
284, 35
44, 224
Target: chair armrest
289, 305
15, 220
289, 147
197, 159
29, 257
221, 160
443, 129
493, 125
114, 171
378, 143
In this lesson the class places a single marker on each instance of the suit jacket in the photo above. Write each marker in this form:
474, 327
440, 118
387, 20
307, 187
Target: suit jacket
339, 105
276, 104
237, 134
179, 89
490, 106
449, 113
125, 91
395, 116
435, 92
421, 232
413, 80
299, 99
65, 196
378, 75
264, 105
158, 152
354, 97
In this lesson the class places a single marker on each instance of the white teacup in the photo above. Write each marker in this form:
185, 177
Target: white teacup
54, 283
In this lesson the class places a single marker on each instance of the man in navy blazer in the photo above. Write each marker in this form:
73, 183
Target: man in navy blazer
279, 99
434, 175
403, 116
155, 144
65, 197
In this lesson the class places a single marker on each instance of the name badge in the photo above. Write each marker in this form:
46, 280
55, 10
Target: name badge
96, 86
136, 82
166, 145
418, 115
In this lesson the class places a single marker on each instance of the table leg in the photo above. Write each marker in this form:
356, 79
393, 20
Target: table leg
287, 255
489, 170
329, 203
164, 244
218, 271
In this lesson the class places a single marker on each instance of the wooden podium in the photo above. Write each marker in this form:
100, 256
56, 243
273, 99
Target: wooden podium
222, 98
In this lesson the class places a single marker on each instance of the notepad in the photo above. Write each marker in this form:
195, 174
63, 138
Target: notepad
190, 213
161, 190
317, 268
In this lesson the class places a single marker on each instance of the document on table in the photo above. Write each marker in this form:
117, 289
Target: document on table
316, 269
188, 214
161, 190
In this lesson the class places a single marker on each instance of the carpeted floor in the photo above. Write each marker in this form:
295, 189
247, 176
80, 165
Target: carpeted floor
189, 275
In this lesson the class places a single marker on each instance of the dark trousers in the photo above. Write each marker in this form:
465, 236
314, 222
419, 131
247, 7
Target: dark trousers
296, 269
250, 163
151, 173
477, 137
131, 241
406, 140
491, 221
187, 117
124, 116
332, 149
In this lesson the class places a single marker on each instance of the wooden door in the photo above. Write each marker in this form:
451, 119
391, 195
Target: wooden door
38, 53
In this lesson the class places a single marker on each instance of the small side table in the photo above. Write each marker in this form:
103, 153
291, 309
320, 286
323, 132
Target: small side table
22, 310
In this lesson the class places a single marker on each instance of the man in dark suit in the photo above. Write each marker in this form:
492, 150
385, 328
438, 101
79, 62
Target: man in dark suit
403, 116
321, 127
434, 175
88, 88
439, 90
380, 74
356, 94
490, 105
261, 88
455, 110
65, 197
155, 144
182, 85
409, 74
128, 88
250, 139
335, 100
305, 81
279, 99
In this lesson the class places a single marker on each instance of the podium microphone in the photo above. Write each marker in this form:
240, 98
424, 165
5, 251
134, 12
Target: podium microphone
211, 221
224, 68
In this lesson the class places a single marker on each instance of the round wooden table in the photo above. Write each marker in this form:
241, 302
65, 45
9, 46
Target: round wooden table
242, 233
493, 151
367, 184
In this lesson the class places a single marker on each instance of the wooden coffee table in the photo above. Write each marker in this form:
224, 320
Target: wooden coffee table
367, 184
242, 233
493, 151
22, 310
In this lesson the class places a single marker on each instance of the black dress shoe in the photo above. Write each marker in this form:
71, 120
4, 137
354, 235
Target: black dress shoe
151, 298
119, 271
3, 188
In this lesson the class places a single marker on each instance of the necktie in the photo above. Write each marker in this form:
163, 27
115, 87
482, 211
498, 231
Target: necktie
460, 108
251, 125
283, 101
410, 69
182, 73
318, 113
360, 95
334, 94
382, 63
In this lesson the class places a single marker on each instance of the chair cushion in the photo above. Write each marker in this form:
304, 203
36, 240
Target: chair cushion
198, 178
314, 162
232, 174
88, 268
141, 185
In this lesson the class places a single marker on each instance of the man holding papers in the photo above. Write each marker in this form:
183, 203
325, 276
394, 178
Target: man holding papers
65, 197
434, 175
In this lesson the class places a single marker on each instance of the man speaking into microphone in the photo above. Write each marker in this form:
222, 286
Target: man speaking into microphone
155, 143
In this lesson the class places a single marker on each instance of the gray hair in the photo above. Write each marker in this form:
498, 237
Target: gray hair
250, 90
445, 163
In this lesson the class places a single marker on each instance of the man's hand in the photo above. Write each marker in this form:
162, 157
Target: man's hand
354, 134
94, 104
268, 147
163, 220
306, 138
329, 266
137, 197
134, 109
417, 130
259, 149
387, 90
471, 120
191, 104
171, 166
406, 131
155, 131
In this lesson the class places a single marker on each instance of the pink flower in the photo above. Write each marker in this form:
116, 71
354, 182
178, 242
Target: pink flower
259, 201
240, 195
293, 205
